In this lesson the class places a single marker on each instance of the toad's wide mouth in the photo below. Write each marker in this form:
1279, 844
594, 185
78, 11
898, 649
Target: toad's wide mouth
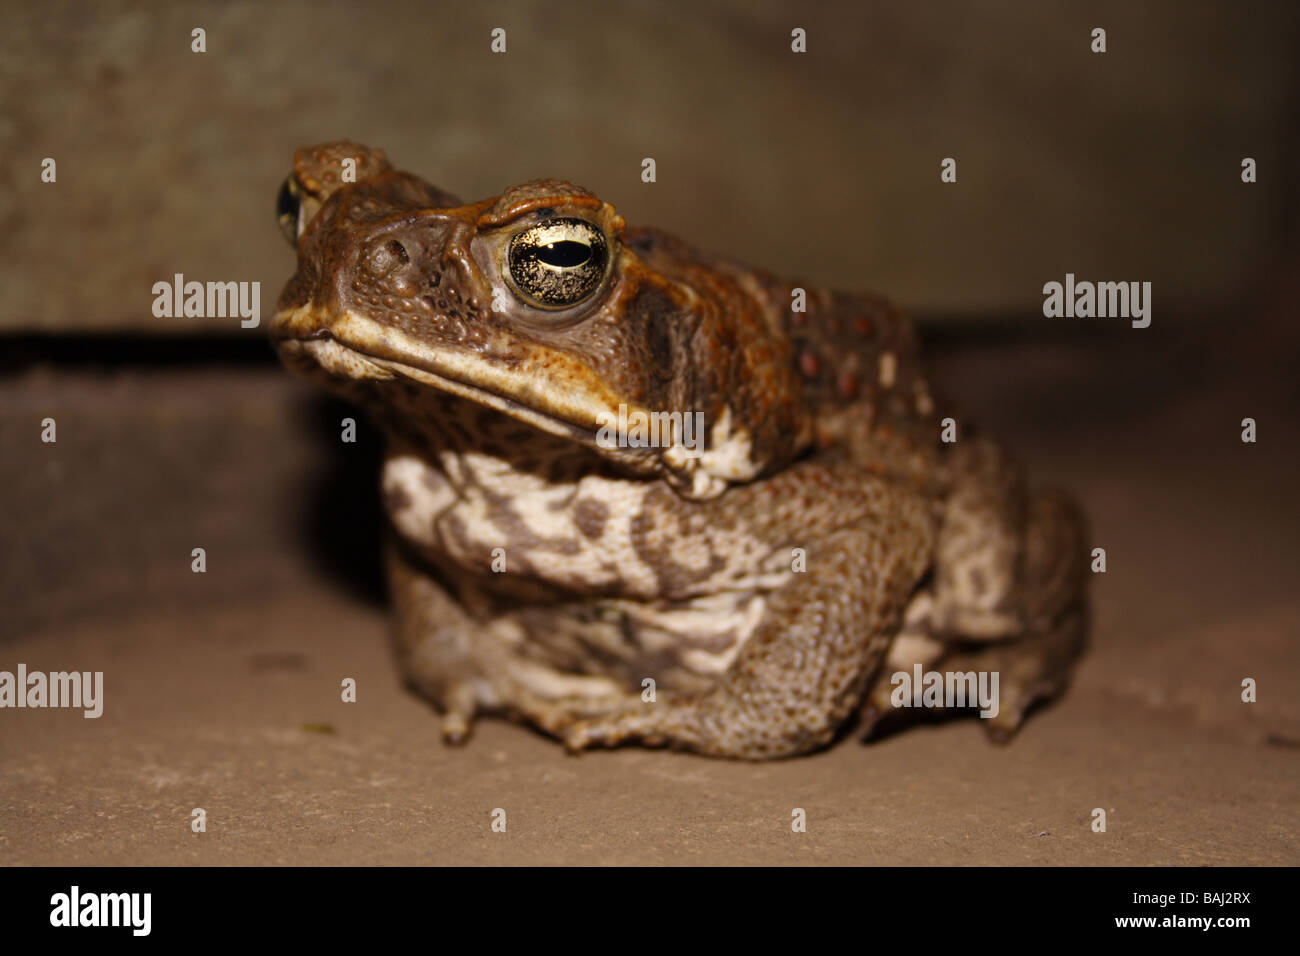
354, 348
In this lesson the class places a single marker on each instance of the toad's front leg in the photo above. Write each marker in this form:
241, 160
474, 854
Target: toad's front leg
804, 669
466, 666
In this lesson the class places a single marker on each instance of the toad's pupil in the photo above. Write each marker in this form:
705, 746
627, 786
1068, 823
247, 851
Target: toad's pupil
565, 254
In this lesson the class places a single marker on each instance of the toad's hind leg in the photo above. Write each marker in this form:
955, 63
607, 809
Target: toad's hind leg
1008, 591
1035, 664
804, 669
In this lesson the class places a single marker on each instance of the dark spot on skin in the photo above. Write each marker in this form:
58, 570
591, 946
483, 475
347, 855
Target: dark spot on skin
432, 480
863, 325
504, 515
590, 517
396, 499
848, 385
546, 212
659, 341
809, 365
658, 553
454, 529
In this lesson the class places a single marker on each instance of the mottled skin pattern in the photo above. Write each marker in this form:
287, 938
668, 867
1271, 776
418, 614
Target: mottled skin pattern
769, 586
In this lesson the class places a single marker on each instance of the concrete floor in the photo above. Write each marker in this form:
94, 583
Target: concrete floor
222, 689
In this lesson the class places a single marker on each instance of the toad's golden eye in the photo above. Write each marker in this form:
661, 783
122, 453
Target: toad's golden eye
557, 263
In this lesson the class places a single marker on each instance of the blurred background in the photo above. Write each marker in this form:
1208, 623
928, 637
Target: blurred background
177, 433
823, 165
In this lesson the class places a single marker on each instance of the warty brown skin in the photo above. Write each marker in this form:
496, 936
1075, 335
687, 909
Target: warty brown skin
768, 587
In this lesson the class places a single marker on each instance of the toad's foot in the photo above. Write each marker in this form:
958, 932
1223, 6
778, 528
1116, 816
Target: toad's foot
1032, 668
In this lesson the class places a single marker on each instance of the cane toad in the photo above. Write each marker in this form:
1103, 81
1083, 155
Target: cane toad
638, 492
